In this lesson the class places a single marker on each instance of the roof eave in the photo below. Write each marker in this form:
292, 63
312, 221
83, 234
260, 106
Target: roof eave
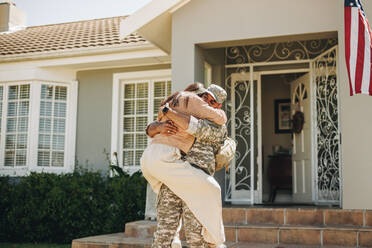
153, 22
76, 52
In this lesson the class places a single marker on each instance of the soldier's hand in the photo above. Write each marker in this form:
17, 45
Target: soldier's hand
168, 128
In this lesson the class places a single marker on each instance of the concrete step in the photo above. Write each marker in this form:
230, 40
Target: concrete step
299, 235
114, 240
140, 229
263, 227
255, 245
275, 216
274, 234
118, 240
298, 216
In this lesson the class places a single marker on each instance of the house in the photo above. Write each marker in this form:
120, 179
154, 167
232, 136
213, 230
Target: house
62, 100
70, 91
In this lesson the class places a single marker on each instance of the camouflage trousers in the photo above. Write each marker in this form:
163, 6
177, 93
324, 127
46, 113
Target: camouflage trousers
170, 210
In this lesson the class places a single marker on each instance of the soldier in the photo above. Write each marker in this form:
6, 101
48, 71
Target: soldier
170, 208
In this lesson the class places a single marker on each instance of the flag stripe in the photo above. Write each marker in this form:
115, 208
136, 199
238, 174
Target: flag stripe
347, 44
370, 54
353, 45
367, 59
360, 55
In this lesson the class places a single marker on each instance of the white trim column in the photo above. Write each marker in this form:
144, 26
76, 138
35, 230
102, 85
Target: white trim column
33, 132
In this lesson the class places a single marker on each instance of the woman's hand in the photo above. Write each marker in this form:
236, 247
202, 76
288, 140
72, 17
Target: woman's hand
167, 128
161, 113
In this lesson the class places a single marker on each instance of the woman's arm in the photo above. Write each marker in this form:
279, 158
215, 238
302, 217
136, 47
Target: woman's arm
180, 119
199, 128
165, 128
198, 108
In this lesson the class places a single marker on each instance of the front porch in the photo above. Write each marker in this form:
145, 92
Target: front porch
294, 73
263, 227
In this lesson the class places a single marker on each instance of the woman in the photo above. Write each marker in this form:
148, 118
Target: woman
162, 163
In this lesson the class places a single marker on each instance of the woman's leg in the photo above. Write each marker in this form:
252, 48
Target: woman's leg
199, 191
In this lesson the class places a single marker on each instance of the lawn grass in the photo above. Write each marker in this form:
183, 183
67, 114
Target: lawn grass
32, 245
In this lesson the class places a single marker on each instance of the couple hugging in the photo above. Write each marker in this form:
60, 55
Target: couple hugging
179, 164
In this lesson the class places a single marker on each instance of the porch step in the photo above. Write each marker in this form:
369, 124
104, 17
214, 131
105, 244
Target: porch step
110, 241
117, 240
298, 216
256, 245
277, 234
245, 236
299, 235
263, 227
140, 229
275, 216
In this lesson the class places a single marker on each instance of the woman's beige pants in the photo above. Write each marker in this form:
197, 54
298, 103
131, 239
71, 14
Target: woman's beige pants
201, 192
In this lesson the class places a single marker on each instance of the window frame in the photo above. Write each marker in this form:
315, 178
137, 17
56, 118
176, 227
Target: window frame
119, 80
33, 129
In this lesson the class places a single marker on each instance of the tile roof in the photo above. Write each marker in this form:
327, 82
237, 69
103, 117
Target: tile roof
66, 37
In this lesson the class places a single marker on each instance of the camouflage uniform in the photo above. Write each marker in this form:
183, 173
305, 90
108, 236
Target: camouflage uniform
209, 139
170, 208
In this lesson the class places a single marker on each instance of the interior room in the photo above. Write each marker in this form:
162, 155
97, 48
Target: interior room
277, 138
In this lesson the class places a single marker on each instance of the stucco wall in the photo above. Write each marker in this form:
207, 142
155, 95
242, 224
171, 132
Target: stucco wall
214, 57
208, 21
93, 133
199, 22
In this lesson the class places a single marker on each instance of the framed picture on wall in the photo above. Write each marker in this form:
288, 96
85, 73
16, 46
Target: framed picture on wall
282, 116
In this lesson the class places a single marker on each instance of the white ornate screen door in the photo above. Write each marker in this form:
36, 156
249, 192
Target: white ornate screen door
301, 157
327, 137
242, 187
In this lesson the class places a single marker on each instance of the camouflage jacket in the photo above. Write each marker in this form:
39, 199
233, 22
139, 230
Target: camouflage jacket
209, 138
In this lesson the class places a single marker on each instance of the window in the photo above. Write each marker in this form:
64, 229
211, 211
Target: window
139, 100
140, 107
34, 133
52, 125
18, 100
135, 117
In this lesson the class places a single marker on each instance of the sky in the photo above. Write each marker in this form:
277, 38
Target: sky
41, 12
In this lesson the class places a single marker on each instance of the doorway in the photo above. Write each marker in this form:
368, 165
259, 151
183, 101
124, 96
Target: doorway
286, 156
311, 154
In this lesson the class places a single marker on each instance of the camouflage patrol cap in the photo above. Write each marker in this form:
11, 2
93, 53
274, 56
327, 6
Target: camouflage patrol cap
218, 93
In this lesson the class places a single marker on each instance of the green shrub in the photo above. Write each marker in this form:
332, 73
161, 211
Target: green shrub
58, 208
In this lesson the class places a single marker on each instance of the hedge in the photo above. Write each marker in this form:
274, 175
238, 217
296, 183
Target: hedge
59, 208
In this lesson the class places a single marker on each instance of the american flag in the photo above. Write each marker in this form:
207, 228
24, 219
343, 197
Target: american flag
358, 48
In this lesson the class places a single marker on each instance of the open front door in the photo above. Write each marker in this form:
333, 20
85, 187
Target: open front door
301, 157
